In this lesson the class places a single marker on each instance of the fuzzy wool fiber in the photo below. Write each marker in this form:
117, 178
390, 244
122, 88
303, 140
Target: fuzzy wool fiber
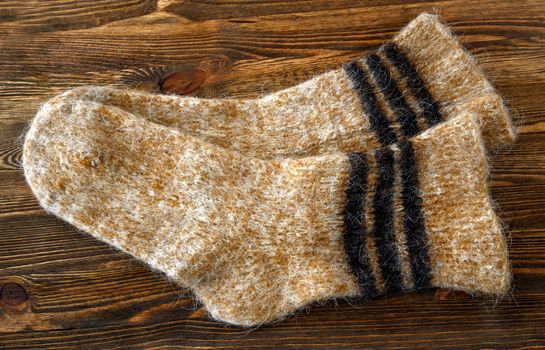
366, 180
326, 114
258, 239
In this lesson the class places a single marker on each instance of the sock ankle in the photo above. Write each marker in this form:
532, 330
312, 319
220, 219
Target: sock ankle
422, 77
258, 239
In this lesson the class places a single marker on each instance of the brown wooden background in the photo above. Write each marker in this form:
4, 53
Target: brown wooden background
80, 294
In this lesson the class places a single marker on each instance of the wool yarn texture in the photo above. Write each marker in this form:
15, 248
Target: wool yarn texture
258, 239
366, 180
422, 77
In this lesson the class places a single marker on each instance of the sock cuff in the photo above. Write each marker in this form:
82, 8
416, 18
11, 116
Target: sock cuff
452, 76
418, 214
385, 237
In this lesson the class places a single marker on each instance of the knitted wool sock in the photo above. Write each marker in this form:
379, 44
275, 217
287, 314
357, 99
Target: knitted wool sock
422, 77
258, 239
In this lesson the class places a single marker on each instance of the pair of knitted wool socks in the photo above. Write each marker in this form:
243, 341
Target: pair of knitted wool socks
366, 180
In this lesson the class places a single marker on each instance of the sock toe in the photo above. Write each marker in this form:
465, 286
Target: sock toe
111, 174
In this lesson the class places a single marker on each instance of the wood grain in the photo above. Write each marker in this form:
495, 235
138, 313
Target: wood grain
82, 294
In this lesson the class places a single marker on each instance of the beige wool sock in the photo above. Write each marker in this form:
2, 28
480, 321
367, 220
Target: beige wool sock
258, 239
422, 77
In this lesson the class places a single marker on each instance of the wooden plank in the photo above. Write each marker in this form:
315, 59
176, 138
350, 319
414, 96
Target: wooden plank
39, 16
81, 293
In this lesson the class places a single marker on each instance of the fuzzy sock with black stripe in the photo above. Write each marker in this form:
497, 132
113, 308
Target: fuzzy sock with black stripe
422, 77
258, 239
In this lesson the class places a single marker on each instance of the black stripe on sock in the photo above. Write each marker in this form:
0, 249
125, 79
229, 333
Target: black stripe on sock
383, 232
405, 116
429, 106
354, 224
379, 123
413, 217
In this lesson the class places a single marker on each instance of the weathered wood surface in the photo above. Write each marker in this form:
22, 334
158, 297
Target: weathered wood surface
81, 294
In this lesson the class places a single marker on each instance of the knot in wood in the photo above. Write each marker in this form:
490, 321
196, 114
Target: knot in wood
183, 82
12, 294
